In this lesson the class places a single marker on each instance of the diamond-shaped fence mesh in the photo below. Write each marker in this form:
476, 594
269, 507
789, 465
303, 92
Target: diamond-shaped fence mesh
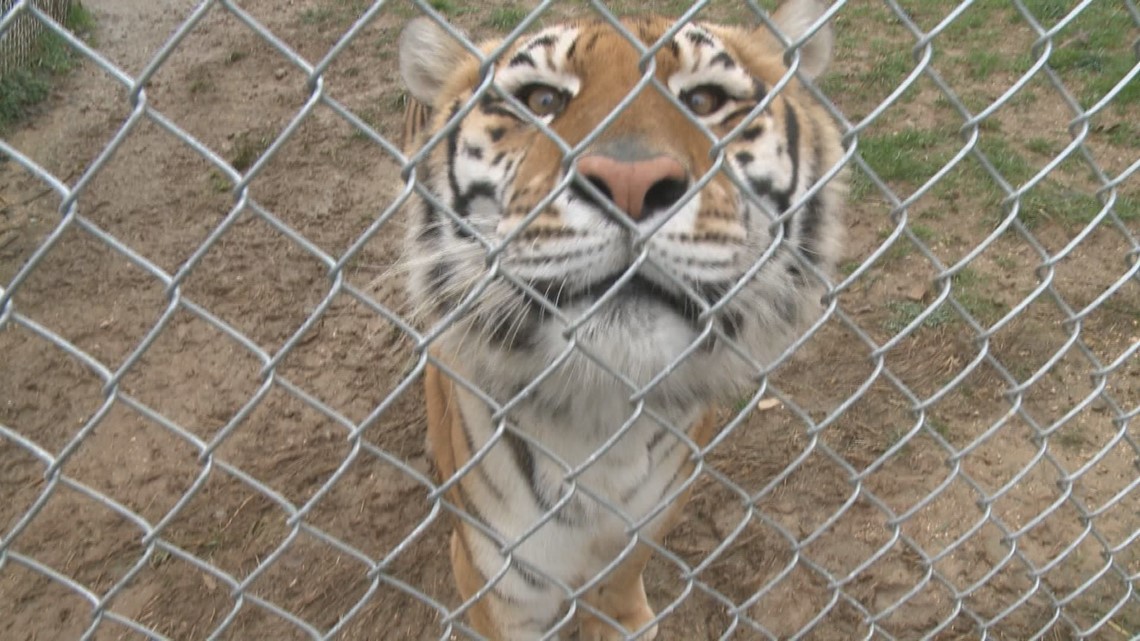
211, 417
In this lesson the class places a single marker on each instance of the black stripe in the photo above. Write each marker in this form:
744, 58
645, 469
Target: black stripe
509, 333
438, 276
792, 136
529, 577
731, 322
592, 42
469, 505
522, 58
462, 201
739, 113
480, 470
544, 41
453, 151
493, 106
430, 228
759, 91
496, 589
724, 59
763, 187
797, 274
813, 211
524, 459
699, 38
752, 133
786, 307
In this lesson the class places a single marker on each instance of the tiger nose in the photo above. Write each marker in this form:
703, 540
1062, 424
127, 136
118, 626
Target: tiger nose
639, 188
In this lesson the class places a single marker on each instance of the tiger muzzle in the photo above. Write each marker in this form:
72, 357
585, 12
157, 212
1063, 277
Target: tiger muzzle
640, 188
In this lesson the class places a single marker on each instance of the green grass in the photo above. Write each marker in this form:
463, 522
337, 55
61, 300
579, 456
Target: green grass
903, 313
982, 64
248, 147
505, 18
971, 289
317, 15
1124, 134
893, 63
22, 90
1041, 146
446, 7
939, 427
910, 156
1094, 50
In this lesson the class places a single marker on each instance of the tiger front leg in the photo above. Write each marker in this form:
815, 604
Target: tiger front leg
622, 598
514, 609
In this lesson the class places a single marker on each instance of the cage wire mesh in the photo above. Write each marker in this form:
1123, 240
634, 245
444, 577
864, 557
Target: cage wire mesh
18, 42
949, 452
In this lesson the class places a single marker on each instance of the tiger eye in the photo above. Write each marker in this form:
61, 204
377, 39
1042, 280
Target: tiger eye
704, 101
542, 100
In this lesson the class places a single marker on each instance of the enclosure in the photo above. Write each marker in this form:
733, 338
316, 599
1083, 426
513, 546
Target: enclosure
211, 422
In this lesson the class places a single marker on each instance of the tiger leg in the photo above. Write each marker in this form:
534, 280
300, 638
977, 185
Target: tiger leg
518, 607
622, 598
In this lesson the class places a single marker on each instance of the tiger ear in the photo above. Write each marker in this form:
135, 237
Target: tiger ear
795, 18
428, 56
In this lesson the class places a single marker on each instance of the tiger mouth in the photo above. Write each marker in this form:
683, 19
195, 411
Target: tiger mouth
638, 287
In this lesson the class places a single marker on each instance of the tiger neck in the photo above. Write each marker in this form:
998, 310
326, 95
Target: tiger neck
575, 417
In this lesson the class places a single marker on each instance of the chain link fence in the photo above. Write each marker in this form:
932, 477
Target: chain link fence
19, 41
212, 424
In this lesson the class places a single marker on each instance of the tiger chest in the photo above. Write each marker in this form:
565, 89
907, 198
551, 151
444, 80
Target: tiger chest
572, 485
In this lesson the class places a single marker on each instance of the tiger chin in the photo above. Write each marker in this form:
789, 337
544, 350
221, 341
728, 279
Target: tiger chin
605, 259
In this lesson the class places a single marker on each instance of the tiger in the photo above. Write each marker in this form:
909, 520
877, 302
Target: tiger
614, 228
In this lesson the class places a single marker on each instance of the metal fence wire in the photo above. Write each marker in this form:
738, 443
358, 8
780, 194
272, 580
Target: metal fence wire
19, 41
950, 451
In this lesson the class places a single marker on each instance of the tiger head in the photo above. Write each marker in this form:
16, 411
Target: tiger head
652, 198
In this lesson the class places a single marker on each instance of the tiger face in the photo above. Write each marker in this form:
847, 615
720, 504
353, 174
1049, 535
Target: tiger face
650, 200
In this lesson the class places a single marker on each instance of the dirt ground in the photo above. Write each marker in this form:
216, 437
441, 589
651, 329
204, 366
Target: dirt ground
846, 506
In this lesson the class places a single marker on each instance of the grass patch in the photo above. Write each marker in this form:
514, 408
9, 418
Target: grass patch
938, 427
248, 147
1051, 201
1008, 161
904, 312
22, 90
1041, 146
446, 7
1094, 50
969, 288
909, 155
893, 63
981, 64
505, 18
218, 181
317, 15
1124, 134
